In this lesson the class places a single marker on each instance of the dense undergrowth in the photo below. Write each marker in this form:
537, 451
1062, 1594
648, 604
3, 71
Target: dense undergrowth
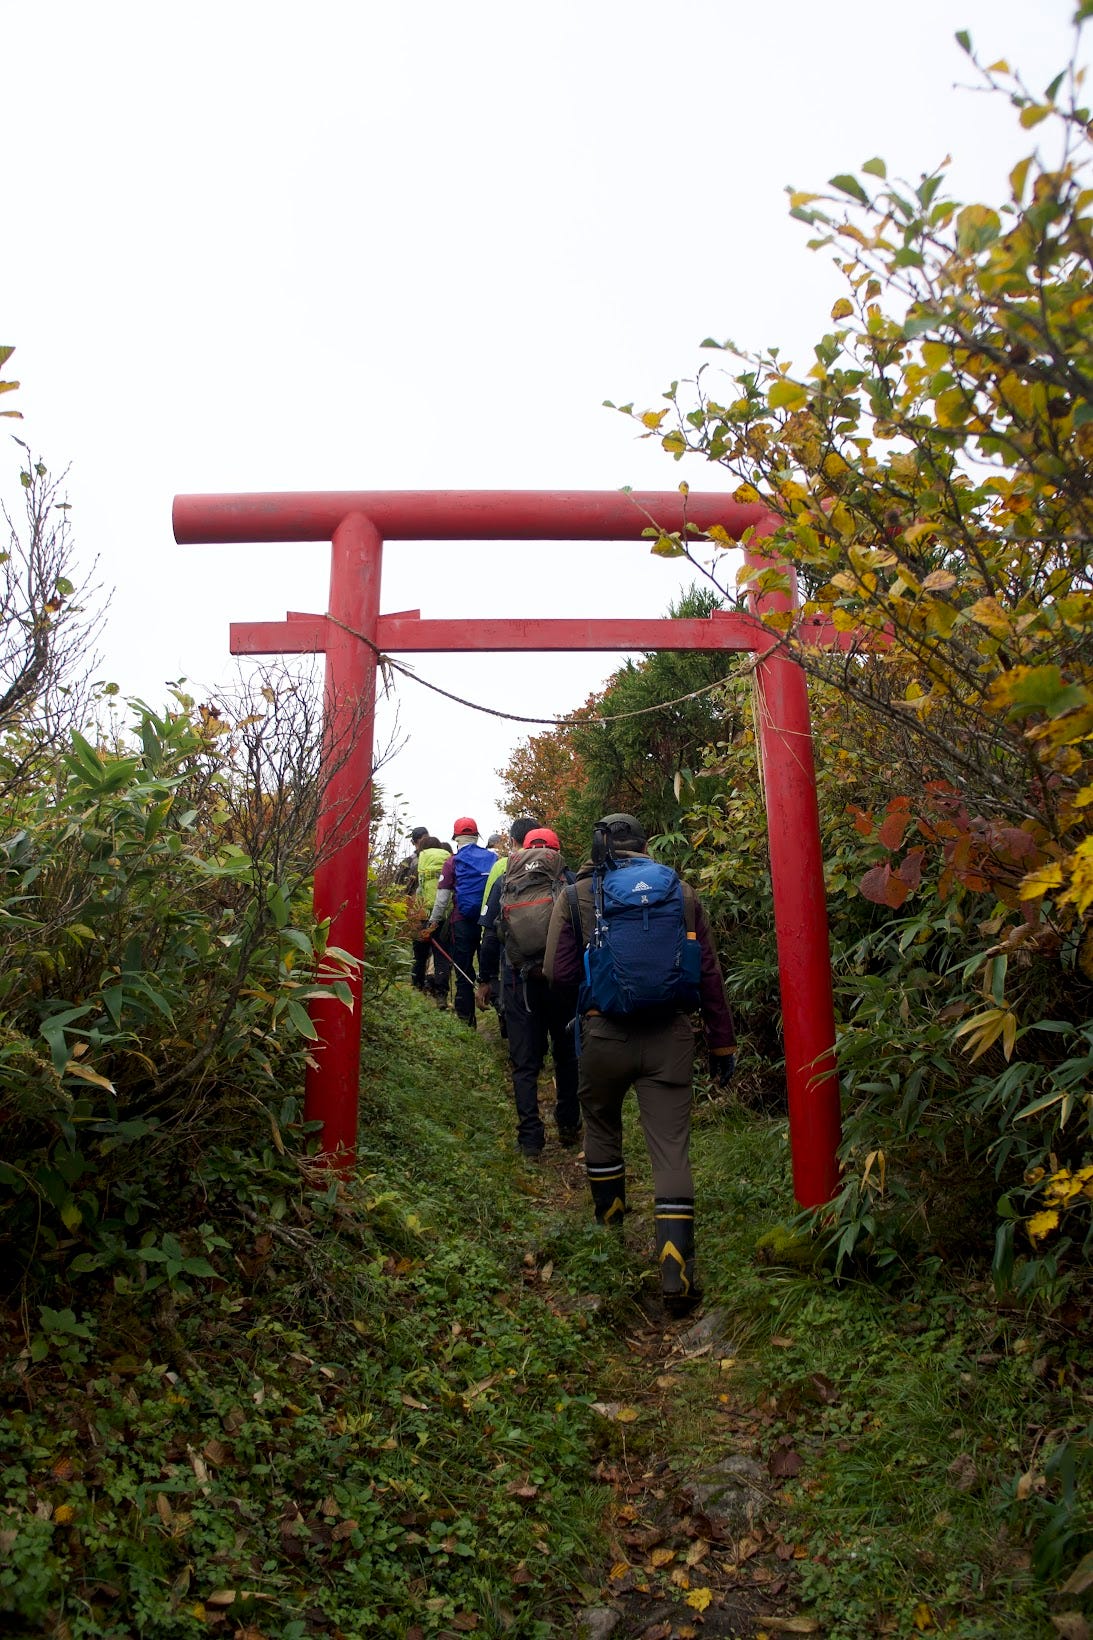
351, 1419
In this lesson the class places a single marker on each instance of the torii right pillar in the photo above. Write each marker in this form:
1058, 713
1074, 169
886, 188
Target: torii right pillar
800, 906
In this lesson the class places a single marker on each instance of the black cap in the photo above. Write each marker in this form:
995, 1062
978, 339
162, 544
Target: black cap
418, 833
624, 829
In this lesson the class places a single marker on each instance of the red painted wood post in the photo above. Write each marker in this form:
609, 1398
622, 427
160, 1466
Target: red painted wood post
800, 907
341, 876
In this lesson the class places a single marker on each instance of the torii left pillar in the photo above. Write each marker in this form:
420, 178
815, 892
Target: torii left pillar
348, 723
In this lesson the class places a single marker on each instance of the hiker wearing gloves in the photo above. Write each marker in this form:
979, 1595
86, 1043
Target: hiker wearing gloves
460, 888
645, 961
514, 924
432, 856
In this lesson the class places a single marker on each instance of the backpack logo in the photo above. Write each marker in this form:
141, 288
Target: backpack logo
641, 954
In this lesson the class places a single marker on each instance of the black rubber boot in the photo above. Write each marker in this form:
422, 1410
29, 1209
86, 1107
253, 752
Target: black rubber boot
674, 1222
608, 1187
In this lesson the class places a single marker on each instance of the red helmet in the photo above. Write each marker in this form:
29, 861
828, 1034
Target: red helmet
542, 838
465, 827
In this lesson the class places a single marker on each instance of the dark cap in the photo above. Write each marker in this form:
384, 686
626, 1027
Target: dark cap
624, 829
418, 833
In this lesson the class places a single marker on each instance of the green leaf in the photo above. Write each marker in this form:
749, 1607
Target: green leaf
876, 167
964, 41
848, 184
786, 395
301, 1019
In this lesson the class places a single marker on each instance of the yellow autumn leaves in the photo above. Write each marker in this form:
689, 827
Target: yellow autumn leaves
1062, 1189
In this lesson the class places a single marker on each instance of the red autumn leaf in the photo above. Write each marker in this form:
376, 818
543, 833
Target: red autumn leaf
911, 867
896, 892
1017, 844
874, 885
863, 819
893, 826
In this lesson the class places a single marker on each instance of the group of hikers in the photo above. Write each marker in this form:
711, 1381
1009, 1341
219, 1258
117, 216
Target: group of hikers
604, 966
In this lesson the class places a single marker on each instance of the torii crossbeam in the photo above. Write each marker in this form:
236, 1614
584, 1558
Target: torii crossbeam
353, 633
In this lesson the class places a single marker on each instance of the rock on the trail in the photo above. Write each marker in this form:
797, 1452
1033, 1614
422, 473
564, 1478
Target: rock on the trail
735, 1494
597, 1622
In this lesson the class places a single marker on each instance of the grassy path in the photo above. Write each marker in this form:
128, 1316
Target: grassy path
435, 1400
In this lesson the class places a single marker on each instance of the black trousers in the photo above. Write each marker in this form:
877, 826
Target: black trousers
463, 942
536, 1015
442, 968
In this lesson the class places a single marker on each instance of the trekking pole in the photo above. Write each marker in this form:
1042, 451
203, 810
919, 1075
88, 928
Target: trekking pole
451, 959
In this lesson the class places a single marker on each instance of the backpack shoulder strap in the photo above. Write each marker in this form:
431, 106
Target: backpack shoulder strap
575, 914
688, 905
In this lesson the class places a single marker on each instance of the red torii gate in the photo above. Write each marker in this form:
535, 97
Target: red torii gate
357, 523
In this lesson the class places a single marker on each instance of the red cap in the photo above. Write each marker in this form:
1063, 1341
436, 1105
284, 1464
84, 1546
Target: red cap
465, 827
543, 838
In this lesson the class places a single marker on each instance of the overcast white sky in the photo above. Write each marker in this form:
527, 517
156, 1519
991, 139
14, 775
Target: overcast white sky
380, 246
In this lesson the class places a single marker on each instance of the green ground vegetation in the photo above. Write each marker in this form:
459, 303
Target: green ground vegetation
430, 1399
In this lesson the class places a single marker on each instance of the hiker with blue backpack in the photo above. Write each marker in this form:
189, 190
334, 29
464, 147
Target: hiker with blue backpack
460, 888
515, 922
644, 961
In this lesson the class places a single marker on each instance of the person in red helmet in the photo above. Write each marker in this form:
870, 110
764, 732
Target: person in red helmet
515, 923
460, 889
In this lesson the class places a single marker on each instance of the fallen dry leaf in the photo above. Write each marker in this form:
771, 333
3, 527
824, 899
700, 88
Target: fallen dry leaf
784, 1462
963, 1472
1081, 1578
228, 1597
1071, 1626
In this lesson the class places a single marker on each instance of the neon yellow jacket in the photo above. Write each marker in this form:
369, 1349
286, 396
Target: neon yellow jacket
430, 863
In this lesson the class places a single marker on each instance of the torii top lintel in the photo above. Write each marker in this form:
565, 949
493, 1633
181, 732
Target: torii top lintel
458, 515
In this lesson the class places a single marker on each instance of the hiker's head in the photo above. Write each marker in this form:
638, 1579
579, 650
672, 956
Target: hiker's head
432, 842
419, 837
495, 840
623, 831
464, 831
519, 829
543, 837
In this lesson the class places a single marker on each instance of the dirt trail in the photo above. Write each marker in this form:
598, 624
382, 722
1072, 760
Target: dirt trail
693, 1504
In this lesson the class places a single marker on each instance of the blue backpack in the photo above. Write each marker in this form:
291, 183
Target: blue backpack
471, 867
642, 953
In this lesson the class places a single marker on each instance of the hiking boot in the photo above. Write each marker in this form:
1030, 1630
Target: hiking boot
534, 1157
569, 1138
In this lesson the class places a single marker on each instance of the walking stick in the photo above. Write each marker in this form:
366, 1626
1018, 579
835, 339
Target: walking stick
450, 958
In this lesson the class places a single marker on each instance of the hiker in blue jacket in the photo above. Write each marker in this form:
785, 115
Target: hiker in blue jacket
460, 890
645, 961
514, 931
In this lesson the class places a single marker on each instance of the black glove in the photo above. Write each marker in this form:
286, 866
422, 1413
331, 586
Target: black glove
722, 1066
